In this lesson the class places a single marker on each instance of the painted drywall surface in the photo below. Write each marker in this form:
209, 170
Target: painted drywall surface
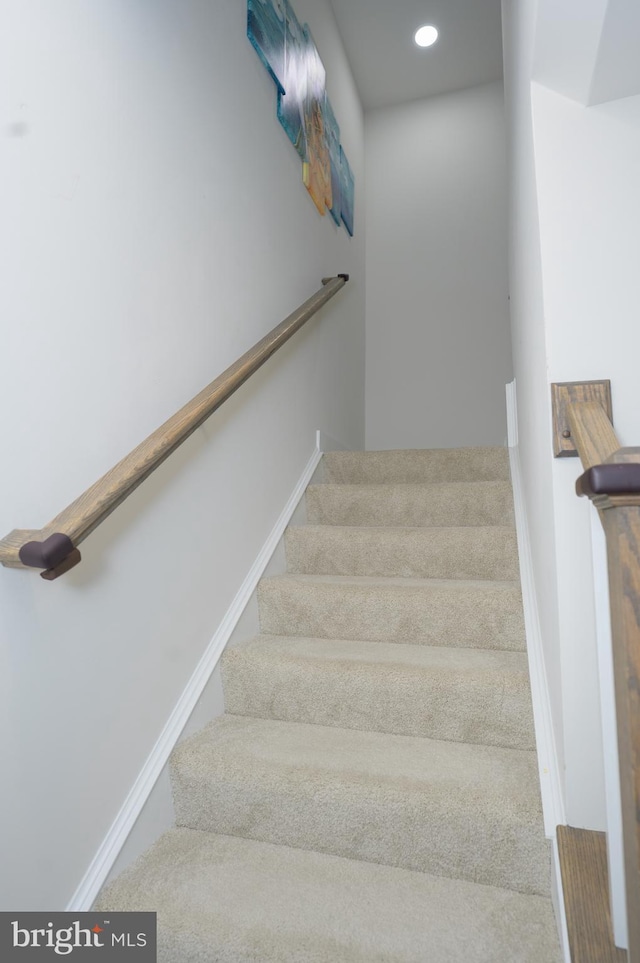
155, 226
529, 342
617, 71
587, 161
567, 41
438, 350
587, 49
574, 292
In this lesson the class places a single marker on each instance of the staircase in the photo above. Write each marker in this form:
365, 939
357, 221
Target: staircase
371, 794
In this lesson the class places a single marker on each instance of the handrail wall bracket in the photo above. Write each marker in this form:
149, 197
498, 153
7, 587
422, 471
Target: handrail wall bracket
565, 394
56, 555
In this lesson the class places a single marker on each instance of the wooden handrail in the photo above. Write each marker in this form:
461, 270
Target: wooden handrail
592, 432
54, 548
612, 481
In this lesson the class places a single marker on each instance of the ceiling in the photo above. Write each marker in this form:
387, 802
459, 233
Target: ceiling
591, 55
388, 66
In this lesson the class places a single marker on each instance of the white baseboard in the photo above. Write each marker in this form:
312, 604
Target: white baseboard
108, 852
549, 769
512, 415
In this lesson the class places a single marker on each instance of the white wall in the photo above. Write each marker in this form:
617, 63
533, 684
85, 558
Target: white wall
617, 71
154, 226
587, 161
575, 292
567, 41
587, 49
438, 349
529, 342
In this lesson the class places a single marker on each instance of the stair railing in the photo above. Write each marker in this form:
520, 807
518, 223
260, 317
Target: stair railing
611, 479
54, 547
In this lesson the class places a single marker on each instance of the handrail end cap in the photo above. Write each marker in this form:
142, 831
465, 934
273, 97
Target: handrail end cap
610, 479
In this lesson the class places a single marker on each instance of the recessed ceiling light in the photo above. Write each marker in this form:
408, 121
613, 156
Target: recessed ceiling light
426, 35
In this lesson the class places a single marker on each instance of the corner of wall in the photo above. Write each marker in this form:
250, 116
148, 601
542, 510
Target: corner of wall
548, 766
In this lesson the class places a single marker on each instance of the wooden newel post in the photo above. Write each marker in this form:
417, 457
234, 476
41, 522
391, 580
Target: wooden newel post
614, 488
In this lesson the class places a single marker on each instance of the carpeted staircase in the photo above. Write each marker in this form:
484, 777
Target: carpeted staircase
371, 795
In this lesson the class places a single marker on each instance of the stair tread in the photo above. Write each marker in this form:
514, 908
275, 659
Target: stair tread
400, 800
425, 532
421, 504
462, 695
458, 586
418, 465
456, 485
224, 899
385, 654
478, 613
480, 552
418, 763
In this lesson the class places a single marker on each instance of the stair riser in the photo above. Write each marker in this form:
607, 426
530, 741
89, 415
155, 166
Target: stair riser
444, 553
489, 503
491, 709
416, 467
388, 823
479, 618
222, 899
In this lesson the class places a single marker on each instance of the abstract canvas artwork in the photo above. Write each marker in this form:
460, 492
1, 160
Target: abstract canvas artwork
346, 192
289, 53
332, 133
266, 26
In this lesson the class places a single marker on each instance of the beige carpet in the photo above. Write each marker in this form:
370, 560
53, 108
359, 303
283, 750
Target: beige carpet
371, 794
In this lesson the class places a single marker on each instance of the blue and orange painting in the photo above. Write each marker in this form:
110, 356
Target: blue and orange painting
347, 192
332, 133
289, 53
265, 29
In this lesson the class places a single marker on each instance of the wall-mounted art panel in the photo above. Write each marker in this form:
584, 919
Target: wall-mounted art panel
289, 53
347, 192
332, 133
291, 97
316, 167
265, 28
